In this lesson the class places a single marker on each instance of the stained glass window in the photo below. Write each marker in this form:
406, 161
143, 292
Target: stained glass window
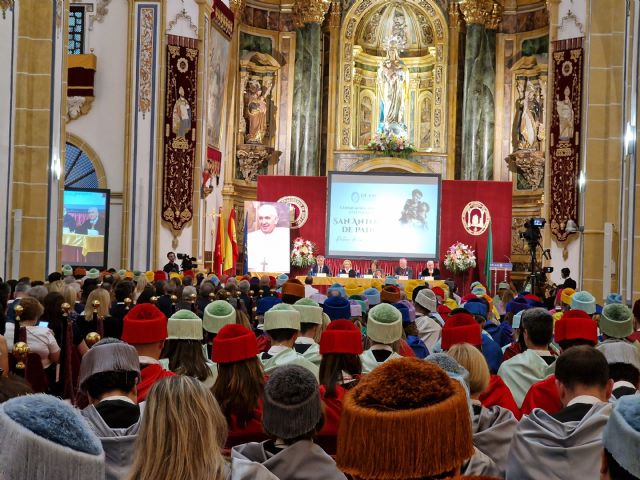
79, 171
76, 30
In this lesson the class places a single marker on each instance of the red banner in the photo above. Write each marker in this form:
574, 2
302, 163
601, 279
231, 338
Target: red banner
466, 209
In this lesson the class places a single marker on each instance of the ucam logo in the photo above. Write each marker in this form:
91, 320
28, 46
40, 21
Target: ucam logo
355, 197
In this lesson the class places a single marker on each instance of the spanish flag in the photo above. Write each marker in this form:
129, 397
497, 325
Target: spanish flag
231, 245
218, 255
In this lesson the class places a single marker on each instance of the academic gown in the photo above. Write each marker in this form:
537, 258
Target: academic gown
332, 413
429, 330
546, 448
491, 351
251, 432
493, 429
118, 443
304, 460
149, 375
522, 371
498, 394
286, 357
543, 394
310, 351
369, 361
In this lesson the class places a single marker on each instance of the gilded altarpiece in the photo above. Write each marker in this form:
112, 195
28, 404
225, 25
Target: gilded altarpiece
420, 27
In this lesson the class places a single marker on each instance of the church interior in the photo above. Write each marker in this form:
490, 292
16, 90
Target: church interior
91, 87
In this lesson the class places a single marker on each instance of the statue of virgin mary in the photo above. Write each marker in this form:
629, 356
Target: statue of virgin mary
393, 76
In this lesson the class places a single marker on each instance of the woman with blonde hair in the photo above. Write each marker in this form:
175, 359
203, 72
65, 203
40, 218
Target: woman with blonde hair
493, 427
100, 322
141, 283
178, 408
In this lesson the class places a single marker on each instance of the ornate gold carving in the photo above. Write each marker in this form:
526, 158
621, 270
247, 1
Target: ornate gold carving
350, 27
253, 158
495, 17
530, 163
454, 15
309, 11
237, 6
476, 12
518, 247
335, 15
77, 106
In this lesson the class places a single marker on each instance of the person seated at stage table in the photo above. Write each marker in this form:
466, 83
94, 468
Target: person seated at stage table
347, 268
320, 267
402, 270
69, 221
378, 274
373, 268
430, 270
94, 223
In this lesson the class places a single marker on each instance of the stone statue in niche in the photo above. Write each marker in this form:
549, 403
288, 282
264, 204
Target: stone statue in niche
255, 110
393, 78
425, 123
564, 108
366, 116
530, 131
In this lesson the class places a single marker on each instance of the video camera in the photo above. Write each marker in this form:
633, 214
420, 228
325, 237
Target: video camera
187, 261
532, 234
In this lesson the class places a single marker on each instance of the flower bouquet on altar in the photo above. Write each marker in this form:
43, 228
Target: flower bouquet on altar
391, 145
303, 253
459, 258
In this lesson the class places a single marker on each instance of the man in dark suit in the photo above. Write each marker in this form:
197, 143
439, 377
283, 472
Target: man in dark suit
430, 271
94, 222
568, 282
402, 270
320, 267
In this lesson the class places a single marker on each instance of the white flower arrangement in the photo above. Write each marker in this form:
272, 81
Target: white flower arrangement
303, 253
459, 258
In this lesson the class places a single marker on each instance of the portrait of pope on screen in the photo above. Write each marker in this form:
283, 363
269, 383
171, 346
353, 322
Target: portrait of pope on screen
268, 242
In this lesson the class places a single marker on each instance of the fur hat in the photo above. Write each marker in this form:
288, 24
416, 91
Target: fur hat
93, 273
503, 286
438, 292
291, 404
353, 290
184, 325
217, 314
479, 291
417, 290
281, 279
404, 311
616, 321
145, 323
384, 324
337, 289
373, 296
282, 316
390, 280
566, 294
67, 271
390, 294
292, 290
476, 306
461, 327
427, 299
613, 298
516, 305
149, 276
310, 311
159, 276
576, 324
341, 336
619, 351
621, 436
420, 418
583, 301
49, 440
412, 309
265, 303
108, 355
337, 307
234, 343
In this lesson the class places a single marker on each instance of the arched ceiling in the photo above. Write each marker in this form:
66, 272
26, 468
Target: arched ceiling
396, 18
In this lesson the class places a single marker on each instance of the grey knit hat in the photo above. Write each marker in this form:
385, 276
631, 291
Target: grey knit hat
292, 405
427, 299
49, 440
620, 351
616, 320
108, 355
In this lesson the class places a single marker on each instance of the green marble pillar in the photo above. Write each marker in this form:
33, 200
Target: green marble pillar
478, 112
305, 123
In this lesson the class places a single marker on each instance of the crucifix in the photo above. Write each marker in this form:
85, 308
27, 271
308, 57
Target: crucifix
264, 264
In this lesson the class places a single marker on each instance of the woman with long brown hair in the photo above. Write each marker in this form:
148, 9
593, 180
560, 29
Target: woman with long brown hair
240, 383
182, 433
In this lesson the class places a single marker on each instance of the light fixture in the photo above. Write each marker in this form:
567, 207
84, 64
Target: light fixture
629, 139
573, 227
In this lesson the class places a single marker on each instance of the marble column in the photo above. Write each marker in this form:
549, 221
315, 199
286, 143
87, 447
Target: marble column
307, 82
479, 89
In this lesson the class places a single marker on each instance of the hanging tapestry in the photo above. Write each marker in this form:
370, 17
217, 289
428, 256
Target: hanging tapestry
564, 141
179, 131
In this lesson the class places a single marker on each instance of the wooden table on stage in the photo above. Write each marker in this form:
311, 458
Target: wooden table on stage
323, 283
75, 246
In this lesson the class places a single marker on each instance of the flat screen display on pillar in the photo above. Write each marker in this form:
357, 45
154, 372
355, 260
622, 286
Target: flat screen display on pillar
268, 236
85, 228
383, 215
